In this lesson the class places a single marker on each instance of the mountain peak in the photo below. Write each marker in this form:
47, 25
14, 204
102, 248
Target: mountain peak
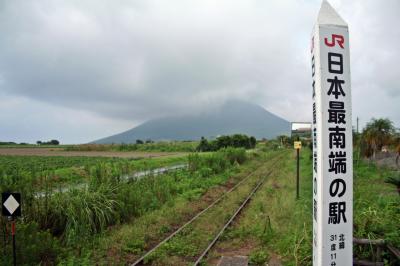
230, 118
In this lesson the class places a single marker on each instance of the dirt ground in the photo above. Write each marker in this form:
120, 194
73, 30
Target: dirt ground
61, 152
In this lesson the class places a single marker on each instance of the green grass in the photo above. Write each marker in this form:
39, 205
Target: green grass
129, 241
113, 221
77, 217
44, 172
278, 225
376, 205
20, 146
162, 146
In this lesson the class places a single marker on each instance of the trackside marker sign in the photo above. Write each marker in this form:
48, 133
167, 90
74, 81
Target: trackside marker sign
11, 204
332, 141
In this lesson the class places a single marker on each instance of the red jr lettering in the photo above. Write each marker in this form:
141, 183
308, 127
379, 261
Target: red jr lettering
339, 39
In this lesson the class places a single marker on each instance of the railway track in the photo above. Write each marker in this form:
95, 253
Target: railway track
259, 183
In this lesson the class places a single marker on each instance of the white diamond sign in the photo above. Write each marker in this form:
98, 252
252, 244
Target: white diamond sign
11, 204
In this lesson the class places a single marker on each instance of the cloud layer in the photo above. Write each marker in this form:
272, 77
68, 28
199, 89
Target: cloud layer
116, 63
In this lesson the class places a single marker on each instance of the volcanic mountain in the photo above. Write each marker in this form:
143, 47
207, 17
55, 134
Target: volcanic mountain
231, 118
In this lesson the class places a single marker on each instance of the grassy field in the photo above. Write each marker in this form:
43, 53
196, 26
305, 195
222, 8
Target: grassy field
127, 243
67, 222
115, 221
52, 152
39, 172
276, 226
161, 146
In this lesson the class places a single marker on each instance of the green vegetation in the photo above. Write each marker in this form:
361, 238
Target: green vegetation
41, 172
376, 204
103, 217
394, 180
127, 242
53, 142
236, 141
76, 218
8, 143
277, 225
376, 134
172, 146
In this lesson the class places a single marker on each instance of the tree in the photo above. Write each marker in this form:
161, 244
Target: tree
253, 142
224, 142
54, 142
139, 141
283, 140
236, 141
39, 142
376, 134
203, 145
239, 140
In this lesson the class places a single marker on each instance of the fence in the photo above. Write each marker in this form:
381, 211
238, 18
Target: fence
378, 248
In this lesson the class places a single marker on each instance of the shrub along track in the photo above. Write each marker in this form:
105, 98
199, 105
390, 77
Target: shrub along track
185, 244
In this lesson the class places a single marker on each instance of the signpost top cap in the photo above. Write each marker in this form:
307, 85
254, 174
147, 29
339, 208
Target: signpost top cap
328, 16
297, 145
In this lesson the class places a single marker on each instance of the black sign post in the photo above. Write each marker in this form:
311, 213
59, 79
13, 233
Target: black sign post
11, 207
297, 146
298, 175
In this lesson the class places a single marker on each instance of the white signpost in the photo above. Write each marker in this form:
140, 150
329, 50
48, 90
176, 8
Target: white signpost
332, 141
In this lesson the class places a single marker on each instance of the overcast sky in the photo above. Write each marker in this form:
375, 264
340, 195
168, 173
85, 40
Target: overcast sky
81, 70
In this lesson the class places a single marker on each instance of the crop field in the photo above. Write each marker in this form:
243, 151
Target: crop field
95, 210
172, 146
51, 172
66, 152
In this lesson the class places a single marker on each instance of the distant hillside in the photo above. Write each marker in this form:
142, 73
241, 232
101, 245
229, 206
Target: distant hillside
233, 117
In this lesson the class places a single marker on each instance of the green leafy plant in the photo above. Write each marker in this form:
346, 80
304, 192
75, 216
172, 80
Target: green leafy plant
394, 180
258, 257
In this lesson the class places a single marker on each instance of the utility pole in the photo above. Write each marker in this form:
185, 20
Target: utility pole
357, 125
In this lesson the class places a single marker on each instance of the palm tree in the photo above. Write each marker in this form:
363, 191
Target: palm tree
377, 133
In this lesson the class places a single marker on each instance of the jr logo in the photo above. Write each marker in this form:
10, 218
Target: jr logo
339, 39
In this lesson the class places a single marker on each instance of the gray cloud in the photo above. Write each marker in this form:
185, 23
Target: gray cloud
134, 60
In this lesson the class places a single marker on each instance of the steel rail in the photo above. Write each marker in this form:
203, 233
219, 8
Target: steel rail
141, 259
191, 220
231, 219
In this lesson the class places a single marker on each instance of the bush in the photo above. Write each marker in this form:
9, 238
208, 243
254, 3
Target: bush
78, 213
51, 142
235, 141
139, 145
33, 246
217, 161
235, 155
258, 257
272, 145
394, 180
